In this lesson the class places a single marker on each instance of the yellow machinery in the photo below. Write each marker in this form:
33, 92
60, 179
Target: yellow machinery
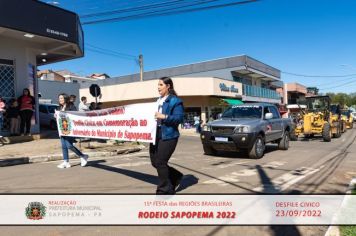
347, 118
318, 120
337, 116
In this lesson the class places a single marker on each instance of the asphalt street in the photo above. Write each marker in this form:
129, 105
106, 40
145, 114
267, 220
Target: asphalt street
309, 166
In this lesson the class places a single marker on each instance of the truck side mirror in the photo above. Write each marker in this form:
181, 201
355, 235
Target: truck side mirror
268, 116
219, 115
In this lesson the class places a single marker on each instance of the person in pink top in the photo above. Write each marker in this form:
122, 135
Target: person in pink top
2, 111
26, 104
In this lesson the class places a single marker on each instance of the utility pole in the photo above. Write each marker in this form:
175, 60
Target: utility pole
140, 60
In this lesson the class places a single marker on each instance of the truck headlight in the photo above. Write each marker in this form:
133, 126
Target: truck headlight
207, 128
242, 129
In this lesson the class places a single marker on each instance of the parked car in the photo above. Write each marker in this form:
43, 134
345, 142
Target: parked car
247, 127
47, 115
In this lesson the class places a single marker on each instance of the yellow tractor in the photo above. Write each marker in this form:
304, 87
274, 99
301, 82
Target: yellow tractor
318, 120
347, 117
337, 116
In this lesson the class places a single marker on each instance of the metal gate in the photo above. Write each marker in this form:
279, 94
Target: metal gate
7, 84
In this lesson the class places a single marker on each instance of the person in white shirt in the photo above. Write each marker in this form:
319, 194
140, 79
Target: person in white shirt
82, 104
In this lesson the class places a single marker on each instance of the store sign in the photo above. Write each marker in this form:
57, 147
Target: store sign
225, 88
39, 18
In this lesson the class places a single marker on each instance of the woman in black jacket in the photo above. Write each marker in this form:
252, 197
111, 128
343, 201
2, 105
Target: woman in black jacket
169, 115
66, 141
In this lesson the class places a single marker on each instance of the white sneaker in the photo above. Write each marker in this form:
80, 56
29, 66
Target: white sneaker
64, 164
84, 160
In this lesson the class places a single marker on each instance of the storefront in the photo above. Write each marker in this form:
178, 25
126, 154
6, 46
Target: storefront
207, 88
202, 96
32, 35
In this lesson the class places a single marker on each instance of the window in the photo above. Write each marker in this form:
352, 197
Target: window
275, 112
7, 79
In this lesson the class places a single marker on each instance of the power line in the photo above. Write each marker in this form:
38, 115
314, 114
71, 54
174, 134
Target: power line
111, 51
151, 13
317, 76
169, 11
341, 85
110, 54
341, 80
139, 8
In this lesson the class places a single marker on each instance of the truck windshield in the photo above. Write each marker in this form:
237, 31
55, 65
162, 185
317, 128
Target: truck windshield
317, 104
243, 112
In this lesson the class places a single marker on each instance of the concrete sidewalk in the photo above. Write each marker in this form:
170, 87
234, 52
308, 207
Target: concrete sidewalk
25, 150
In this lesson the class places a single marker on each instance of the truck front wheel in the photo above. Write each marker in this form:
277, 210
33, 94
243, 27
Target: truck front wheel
208, 150
258, 148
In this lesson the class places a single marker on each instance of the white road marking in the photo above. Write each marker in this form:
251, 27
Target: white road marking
245, 172
274, 164
222, 166
233, 176
221, 180
284, 181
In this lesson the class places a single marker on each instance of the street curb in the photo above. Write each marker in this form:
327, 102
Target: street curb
56, 157
334, 230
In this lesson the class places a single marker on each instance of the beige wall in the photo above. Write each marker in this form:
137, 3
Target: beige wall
185, 86
295, 87
22, 54
202, 92
189, 101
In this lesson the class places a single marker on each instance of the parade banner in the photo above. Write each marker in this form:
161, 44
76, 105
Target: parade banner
178, 210
126, 123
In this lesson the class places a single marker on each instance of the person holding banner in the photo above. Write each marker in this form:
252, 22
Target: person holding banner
67, 142
169, 115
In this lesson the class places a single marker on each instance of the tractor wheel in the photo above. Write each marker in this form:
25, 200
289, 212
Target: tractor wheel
293, 136
326, 132
338, 132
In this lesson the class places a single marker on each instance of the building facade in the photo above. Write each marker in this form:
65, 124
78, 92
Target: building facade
205, 87
32, 35
292, 93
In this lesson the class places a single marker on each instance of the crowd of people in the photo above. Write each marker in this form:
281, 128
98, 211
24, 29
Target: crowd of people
169, 115
19, 112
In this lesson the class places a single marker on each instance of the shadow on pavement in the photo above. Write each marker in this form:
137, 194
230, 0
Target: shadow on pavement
243, 154
130, 173
187, 181
213, 177
268, 187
